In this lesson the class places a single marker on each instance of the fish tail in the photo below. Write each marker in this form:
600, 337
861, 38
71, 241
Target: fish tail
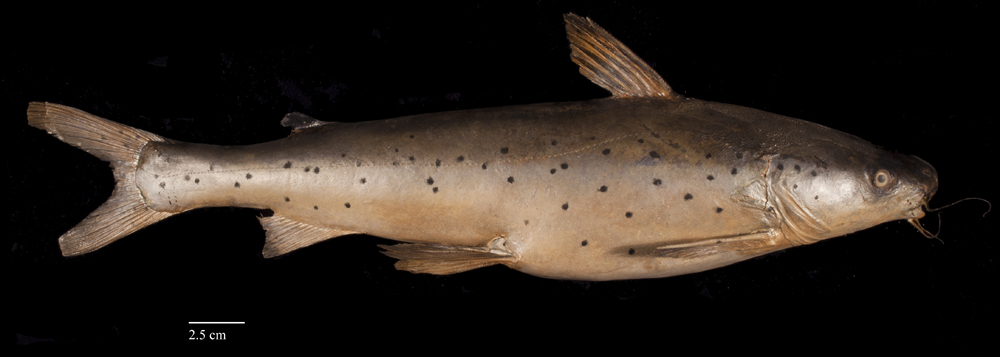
125, 211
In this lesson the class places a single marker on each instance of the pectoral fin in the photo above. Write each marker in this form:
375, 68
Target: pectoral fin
446, 259
755, 243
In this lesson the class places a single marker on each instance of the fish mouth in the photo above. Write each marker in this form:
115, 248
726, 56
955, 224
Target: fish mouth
919, 212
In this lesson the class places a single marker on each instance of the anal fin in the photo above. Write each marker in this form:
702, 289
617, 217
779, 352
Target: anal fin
447, 259
284, 235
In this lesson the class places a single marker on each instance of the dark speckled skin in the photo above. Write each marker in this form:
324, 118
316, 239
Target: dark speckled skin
913, 77
653, 156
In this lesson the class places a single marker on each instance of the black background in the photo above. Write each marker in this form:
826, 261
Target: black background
918, 78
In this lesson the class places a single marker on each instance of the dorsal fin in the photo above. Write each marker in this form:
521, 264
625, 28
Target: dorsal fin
608, 63
299, 122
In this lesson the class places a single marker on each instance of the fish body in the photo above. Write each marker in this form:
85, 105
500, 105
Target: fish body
644, 184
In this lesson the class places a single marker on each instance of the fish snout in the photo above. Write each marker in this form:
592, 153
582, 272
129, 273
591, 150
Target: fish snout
928, 178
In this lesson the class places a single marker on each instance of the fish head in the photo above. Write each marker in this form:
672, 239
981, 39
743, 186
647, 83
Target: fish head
825, 190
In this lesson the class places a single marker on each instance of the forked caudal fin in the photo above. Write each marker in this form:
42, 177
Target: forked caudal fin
123, 213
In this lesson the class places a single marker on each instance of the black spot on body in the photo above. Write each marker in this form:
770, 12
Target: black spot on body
655, 135
359, 163
504, 150
641, 141
718, 209
316, 170
397, 150
287, 199
412, 158
739, 155
565, 206
156, 176
307, 169
211, 167
606, 151
484, 166
797, 168
688, 197
710, 177
348, 205
816, 198
343, 155
554, 143
584, 243
654, 155
708, 156
795, 186
628, 214
631, 251
733, 172
395, 163
411, 136
657, 182
237, 185
437, 163
430, 180
316, 207
435, 190
363, 180
187, 177
510, 179
553, 171
197, 180
163, 185
249, 176
813, 173
460, 158
781, 167
603, 189
526, 222
564, 166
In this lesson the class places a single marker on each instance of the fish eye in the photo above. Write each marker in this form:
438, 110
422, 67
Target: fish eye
883, 179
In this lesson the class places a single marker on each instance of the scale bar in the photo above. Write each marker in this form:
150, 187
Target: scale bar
216, 323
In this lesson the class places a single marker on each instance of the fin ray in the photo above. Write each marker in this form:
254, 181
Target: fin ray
610, 64
124, 212
441, 259
284, 235
755, 243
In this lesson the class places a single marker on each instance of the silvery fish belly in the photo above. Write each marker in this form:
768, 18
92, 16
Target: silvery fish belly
643, 184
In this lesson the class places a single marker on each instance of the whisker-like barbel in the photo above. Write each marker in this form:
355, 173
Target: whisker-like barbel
988, 209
